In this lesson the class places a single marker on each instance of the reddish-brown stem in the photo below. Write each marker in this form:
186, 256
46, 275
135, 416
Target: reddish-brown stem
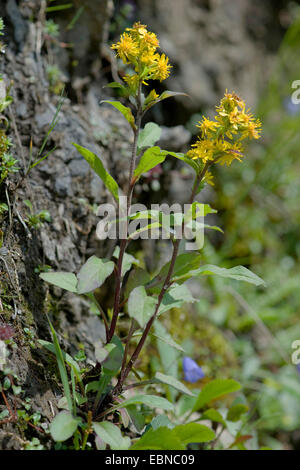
124, 373
129, 336
124, 241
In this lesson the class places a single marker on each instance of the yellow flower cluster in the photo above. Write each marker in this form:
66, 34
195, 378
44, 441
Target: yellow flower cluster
221, 139
138, 46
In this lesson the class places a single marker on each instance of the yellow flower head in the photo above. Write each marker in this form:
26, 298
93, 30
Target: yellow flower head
138, 30
152, 96
138, 46
209, 179
203, 149
127, 48
132, 81
221, 140
233, 152
207, 126
160, 68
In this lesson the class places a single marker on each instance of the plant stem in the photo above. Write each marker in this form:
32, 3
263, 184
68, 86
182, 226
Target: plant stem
102, 315
118, 388
124, 241
129, 336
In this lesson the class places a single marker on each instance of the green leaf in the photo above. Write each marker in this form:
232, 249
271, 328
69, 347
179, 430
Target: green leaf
199, 226
213, 415
170, 94
149, 135
152, 401
197, 208
96, 165
141, 307
61, 367
64, 280
236, 411
162, 438
151, 157
160, 421
128, 260
185, 263
5, 103
175, 297
166, 94
138, 277
100, 353
137, 418
136, 233
93, 273
215, 389
239, 273
111, 435
123, 89
113, 362
124, 110
189, 161
169, 341
169, 356
67, 358
168, 380
194, 433
63, 426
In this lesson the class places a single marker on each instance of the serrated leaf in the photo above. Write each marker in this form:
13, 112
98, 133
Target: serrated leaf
64, 280
152, 157
63, 426
194, 433
162, 438
169, 380
140, 306
214, 390
149, 135
124, 110
98, 167
93, 273
111, 435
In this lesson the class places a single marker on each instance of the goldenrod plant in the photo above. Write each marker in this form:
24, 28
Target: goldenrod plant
97, 406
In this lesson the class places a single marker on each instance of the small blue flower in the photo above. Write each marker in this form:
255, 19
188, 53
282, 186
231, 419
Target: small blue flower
290, 107
298, 368
192, 372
